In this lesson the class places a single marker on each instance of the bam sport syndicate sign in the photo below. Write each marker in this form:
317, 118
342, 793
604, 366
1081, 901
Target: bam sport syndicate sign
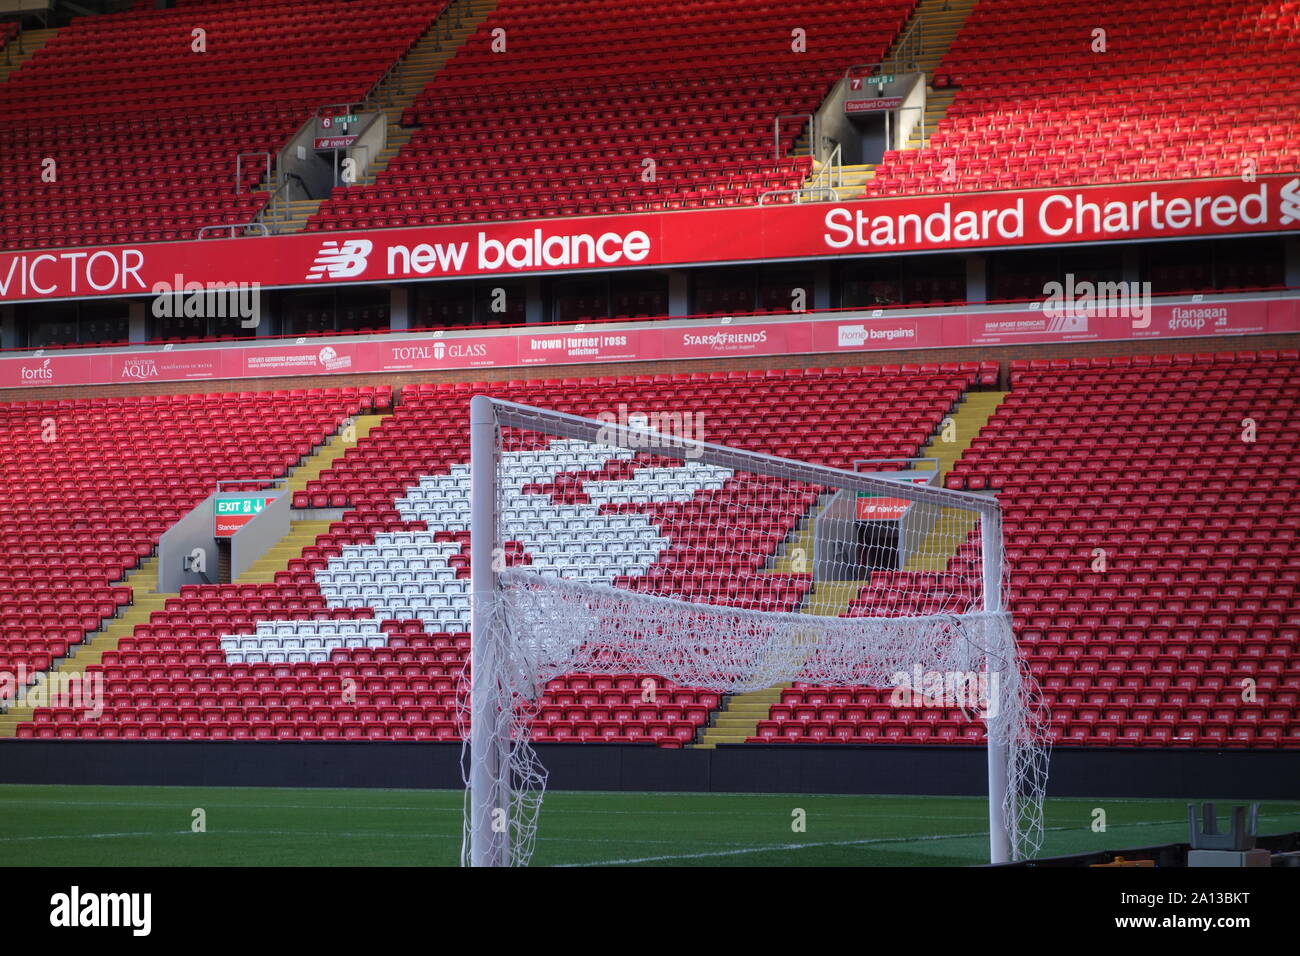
1173, 210
642, 342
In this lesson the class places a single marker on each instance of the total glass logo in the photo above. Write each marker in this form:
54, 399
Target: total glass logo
438, 351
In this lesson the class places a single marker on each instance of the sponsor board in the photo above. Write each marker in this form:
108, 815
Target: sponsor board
877, 104
881, 509
875, 225
610, 343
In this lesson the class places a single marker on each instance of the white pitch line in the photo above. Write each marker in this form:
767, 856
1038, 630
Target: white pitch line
781, 847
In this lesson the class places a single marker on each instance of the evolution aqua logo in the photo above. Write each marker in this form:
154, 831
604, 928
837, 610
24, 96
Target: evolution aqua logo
139, 369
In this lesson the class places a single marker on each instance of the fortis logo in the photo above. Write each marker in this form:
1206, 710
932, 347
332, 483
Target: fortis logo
42, 372
1290, 201
341, 261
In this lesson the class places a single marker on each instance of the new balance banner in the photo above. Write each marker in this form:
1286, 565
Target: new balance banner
643, 342
1218, 207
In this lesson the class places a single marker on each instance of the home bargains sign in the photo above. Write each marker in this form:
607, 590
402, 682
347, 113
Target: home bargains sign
231, 512
876, 226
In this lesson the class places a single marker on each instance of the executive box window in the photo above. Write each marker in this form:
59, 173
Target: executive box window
440, 305
579, 300
362, 308
741, 290
73, 323
305, 313
912, 280
1023, 275
637, 295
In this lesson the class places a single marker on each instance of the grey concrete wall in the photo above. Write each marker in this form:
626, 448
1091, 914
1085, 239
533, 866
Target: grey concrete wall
831, 122
192, 531
252, 540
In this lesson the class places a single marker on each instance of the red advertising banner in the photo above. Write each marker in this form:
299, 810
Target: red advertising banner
880, 225
882, 509
704, 339
333, 142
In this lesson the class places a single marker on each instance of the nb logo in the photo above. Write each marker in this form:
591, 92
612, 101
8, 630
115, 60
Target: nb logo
341, 262
1291, 201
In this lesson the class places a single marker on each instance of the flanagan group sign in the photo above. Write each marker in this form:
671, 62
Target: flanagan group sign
880, 225
642, 342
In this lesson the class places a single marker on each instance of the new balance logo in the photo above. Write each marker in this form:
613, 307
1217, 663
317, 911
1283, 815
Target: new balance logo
1290, 201
341, 261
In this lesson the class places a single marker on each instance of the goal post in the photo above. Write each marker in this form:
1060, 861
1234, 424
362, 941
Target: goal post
600, 544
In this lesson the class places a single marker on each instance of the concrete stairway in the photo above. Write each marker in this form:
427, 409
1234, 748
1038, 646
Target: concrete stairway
738, 718
303, 533
145, 600
394, 94
971, 414
941, 21
953, 524
332, 450
12, 58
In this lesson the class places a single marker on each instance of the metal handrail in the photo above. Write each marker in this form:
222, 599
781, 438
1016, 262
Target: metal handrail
275, 204
825, 191
239, 167
907, 51
832, 169
232, 226
776, 130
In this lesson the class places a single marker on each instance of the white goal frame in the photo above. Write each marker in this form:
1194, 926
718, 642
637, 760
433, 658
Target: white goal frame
488, 782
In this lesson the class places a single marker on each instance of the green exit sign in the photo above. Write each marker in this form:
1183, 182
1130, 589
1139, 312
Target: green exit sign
880, 80
246, 505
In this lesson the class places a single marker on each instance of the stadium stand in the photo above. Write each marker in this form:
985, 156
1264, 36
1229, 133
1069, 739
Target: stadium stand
382, 597
1198, 530
564, 126
1038, 104
152, 156
97, 481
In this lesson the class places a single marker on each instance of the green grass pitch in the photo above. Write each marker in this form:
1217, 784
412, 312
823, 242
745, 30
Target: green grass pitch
132, 826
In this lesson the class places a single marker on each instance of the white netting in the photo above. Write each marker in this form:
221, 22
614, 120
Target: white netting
618, 561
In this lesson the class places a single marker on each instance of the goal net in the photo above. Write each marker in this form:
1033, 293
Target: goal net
616, 541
